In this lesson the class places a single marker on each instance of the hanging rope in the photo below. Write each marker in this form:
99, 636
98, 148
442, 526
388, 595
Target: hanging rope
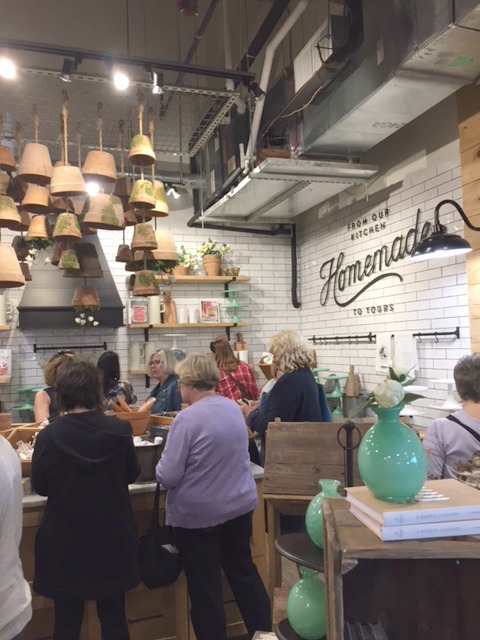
79, 146
35, 122
121, 124
60, 141
151, 131
65, 125
18, 130
100, 125
140, 98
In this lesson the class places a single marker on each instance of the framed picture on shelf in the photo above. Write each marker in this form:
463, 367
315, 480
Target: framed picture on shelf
137, 311
209, 311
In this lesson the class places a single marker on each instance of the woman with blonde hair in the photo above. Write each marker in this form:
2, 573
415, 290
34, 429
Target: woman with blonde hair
296, 397
45, 403
210, 501
167, 396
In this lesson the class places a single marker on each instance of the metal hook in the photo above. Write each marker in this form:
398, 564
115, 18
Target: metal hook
337, 340
419, 338
436, 337
356, 338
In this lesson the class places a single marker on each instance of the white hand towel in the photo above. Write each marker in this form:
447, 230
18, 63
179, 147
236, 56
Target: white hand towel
405, 351
383, 352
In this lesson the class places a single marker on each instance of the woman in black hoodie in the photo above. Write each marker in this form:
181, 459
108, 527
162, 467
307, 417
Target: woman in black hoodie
85, 547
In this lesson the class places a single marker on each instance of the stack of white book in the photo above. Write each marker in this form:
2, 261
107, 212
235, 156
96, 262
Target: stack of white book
443, 508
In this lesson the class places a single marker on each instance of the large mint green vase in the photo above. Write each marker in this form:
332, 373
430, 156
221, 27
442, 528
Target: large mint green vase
314, 515
306, 606
391, 458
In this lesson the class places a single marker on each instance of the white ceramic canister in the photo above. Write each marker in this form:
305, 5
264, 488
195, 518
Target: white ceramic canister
6, 309
182, 315
136, 356
193, 314
242, 355
154, 310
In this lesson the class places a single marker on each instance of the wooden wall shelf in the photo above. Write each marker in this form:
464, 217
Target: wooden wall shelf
207, 279
5, 327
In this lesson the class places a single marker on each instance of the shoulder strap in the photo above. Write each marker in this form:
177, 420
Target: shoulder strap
239, 385
156, 510
470, 431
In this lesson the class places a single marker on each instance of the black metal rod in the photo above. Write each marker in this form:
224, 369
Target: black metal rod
167, 65
371, 337
72, 347
293, 257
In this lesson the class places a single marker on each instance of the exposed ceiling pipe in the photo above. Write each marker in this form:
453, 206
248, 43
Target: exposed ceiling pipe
267, 68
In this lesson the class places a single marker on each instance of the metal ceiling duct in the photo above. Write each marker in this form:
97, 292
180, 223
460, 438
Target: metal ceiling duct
414, 54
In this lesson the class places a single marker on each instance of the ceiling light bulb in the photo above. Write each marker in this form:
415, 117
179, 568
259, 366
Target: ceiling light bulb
7, 69
157, 82
93, 188
121, 80
68, 68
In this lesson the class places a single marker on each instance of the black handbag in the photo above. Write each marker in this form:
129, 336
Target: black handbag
159, 560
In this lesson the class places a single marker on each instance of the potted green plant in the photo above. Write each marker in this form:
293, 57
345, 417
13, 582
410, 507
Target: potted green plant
212, 253
186, 260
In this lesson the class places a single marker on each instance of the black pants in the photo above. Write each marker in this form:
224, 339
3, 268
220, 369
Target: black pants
111, 613
205, 552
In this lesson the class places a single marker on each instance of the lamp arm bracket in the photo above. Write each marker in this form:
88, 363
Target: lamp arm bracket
460, 211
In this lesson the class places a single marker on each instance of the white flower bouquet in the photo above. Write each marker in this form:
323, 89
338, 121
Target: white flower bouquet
389, 393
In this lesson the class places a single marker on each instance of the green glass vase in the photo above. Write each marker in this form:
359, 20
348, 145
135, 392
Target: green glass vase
306, 606
391, 458
314, 515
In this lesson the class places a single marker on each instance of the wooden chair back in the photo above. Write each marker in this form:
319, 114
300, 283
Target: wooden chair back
298, 454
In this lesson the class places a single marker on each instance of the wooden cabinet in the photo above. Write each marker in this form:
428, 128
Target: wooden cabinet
416, 589
152, 614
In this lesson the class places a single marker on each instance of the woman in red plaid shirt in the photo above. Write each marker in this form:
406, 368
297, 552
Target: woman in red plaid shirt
236, 377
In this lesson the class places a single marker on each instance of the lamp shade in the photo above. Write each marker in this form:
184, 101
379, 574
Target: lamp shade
439, 244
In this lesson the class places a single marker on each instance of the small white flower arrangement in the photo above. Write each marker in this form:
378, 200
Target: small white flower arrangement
186, 258
212, 248
389, 393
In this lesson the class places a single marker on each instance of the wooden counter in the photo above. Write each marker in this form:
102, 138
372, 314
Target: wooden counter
152, 614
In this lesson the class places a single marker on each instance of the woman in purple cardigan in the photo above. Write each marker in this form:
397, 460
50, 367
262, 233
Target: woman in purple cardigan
211, 498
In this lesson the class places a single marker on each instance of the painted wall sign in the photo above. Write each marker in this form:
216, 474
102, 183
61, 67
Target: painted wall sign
340, 277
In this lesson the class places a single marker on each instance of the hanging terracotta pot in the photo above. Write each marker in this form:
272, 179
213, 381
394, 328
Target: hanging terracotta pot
60, 247
142, 215
59, 205
99, 165
166, 249
104, 212
4, 182
39, 228
212, 265
160, 210
67, 181
21, 247
89, 263
36, 200
143, 237
124, 254
35, 164
24, 220
10, 271
141, 153
69, 260
122, 188
130, 217
9, 216
16, 189
7, 163
26, 271
142, 194
145, 284
67, 228
85, 296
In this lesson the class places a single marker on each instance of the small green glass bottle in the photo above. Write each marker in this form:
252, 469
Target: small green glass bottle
314, 515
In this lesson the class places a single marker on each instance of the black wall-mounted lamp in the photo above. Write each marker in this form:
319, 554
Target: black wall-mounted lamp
440, 244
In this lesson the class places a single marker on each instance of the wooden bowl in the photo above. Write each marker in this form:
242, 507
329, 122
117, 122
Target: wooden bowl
140, 420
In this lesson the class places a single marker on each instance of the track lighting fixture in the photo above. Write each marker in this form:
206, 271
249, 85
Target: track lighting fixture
173, 191
259, 94
120, 80
8, 70
188, 7
157, 82
68, 69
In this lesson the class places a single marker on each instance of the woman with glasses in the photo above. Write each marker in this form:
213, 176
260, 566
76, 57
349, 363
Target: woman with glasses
166, 393
210, 501
45, 403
